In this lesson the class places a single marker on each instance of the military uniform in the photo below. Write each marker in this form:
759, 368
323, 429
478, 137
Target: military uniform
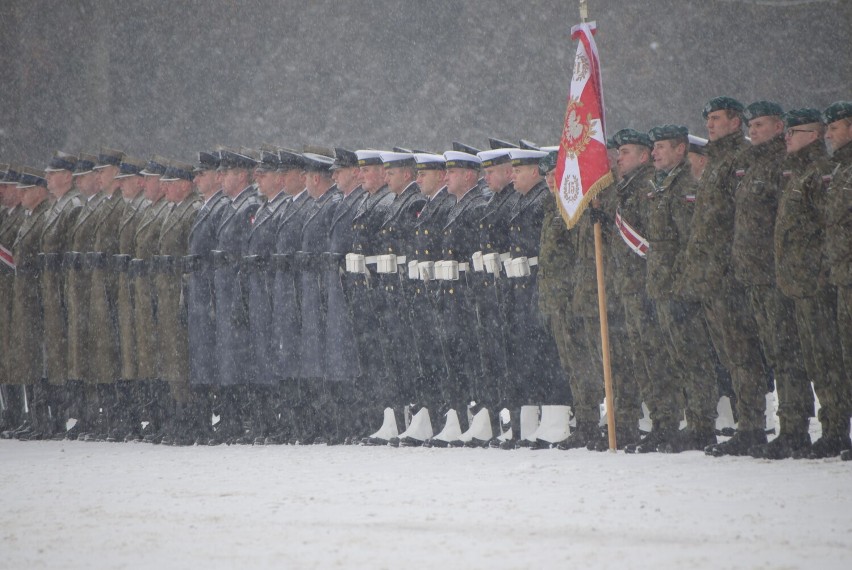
145, 307
105, 365
425, 319
11, 223
838, 251
585, 305
201, 310
706, 275
127, 227
532, 355
802, 275
394, 239
27, 325
233, 350
651, 366
558, 263
753, 264
168, 281
55, 240
459, 241
681, 319
490, 285
364, 297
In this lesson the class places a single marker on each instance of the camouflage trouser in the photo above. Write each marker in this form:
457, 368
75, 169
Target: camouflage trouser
691, 351
734, 334
817, 320
628, 405
577, 358
776, 323
651, 360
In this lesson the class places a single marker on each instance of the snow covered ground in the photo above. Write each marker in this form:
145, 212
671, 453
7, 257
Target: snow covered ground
102, 505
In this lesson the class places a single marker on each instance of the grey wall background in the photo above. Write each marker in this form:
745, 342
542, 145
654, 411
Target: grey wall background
174, 77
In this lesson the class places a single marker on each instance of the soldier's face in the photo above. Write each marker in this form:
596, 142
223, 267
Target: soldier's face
346, 178
459, 181
32, 197
88, 183
667, 155
152, 188
106, 177
293, 181
372, 177
799, 137
697, 162
398, 179
764, 129
838, 134
550, 179
206, 182
630, 157
719, 125
58, 183
499, 176
525, 177
430, 181
130, 186
266, 183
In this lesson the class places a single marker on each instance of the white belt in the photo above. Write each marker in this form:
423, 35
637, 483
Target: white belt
426, 270
491, 261
477, 261
387, 263
519, 266
356, 263
449, 270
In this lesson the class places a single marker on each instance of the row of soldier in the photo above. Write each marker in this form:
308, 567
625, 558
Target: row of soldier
310, 293
290, 294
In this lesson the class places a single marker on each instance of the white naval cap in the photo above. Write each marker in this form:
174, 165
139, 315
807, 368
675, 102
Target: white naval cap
396, 159
494, 157
368, 157
429, 161
522, 156
457, 159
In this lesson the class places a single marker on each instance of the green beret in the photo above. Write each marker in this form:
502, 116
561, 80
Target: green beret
548, 163
797, 117
721, 104
667, 132
631, 136
762, 109
837, 111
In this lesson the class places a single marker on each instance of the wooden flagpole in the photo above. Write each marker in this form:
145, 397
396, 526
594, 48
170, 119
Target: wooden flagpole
605, 353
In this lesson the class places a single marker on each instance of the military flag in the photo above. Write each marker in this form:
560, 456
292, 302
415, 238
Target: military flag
582, 169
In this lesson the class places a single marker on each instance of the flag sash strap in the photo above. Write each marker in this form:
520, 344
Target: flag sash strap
7, 258
631, 237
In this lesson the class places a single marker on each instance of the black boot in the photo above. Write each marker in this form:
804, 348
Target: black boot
201, 428
689, 439
793, 439
158, 400
37, 414
830, 445
13, 413
583, 433
57, 403
739, 444
660, 435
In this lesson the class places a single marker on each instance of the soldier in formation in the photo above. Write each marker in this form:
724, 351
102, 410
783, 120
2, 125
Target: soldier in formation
341, 296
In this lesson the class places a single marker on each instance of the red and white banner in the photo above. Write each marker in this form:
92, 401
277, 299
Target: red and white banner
582, 169
7, 261
631, 237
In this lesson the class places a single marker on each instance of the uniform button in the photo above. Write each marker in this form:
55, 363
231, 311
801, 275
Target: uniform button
517, 249
451, 291
489, 246
418, 291
426, 232
426, 251
481, 226
450, 251
417, 232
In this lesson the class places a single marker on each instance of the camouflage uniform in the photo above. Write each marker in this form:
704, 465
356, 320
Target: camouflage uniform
627, 404
651, 365
705, 274
682, 319
838, 249
802, 275
557, 263
753, 263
